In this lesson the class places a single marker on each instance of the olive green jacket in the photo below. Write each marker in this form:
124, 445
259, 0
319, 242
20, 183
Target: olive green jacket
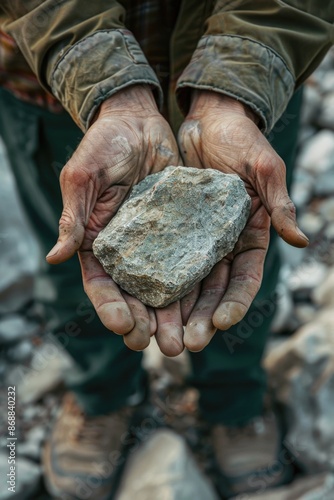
256, 51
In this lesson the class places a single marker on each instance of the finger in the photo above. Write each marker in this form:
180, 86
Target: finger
188, 301
271, 187
79, 196
169, 335
244, 283
200, 328
105, 296
139, 337
153, 321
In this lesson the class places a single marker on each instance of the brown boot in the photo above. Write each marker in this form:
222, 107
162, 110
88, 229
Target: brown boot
250, 459
83, 455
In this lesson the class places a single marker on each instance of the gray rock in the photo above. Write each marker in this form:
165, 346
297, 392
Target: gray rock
31, 447
162, 468
45, 374
318, 154
20, 352
319, 487
312, 104
307, 275
28, 478
323, 294
171, 231
19, 251
311, 223
325, 118
302, 188
327, 83
324, 186
301, 377
326, 209
15, 327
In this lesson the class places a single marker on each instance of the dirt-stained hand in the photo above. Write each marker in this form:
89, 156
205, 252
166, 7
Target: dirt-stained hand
221, 133
128, 141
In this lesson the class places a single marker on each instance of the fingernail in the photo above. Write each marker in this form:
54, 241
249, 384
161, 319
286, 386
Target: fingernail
302, 234
54, 250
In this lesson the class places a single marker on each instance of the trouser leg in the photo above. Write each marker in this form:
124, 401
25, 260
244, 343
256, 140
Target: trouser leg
106, 374
228, 372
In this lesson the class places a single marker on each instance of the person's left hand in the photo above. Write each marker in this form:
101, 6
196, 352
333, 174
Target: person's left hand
221, 133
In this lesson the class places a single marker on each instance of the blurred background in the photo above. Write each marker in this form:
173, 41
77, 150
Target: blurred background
299, 357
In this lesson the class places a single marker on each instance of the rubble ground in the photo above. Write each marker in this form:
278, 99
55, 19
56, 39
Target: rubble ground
299, 359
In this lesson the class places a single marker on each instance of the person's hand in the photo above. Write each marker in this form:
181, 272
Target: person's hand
221, 133
128, 140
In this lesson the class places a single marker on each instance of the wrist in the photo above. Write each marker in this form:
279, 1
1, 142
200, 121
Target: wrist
203, 101
135, 100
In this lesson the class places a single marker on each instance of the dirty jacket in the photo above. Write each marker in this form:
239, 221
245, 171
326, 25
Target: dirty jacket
82, 52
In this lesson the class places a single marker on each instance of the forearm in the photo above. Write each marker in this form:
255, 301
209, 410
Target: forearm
258, 52
81, 52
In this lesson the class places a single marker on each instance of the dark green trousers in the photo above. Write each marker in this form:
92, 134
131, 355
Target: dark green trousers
106, 374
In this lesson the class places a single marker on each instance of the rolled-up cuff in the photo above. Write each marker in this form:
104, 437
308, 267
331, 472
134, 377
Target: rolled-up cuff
241, 68
96, 68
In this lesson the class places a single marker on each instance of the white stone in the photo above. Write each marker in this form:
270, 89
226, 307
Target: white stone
311, 223
323, 294
318, 154
162, 468
301, 378
325, 118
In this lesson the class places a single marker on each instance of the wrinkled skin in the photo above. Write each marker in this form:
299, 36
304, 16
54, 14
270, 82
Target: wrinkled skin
221, 133
129, 140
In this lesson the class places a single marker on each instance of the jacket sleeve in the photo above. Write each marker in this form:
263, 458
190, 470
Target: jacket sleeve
81, 52
259, 51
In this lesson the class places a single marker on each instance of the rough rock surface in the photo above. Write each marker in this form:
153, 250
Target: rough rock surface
301, 377
171, 231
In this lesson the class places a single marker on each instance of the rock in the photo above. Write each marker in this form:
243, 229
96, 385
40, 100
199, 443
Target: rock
326, 209
325, 118
15, 327
171, 231
302, 188
318, 154
19, 251
20, 352
323, 294
311, 104
318, 487
306, 276
304, 313
301, 378
46, 373
284, 309
324, 186
329, 231
28, 478
31, 447
311, 223
163, 468
327, 83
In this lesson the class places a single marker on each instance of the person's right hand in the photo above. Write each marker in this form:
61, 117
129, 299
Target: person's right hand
128, 141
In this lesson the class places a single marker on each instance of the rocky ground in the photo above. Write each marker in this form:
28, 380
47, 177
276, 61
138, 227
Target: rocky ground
299, 361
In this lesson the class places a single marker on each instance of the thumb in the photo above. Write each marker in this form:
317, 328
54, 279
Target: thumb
274, 195
74, 187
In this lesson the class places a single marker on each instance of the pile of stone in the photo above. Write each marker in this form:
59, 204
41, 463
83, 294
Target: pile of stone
301, 366
300, 360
